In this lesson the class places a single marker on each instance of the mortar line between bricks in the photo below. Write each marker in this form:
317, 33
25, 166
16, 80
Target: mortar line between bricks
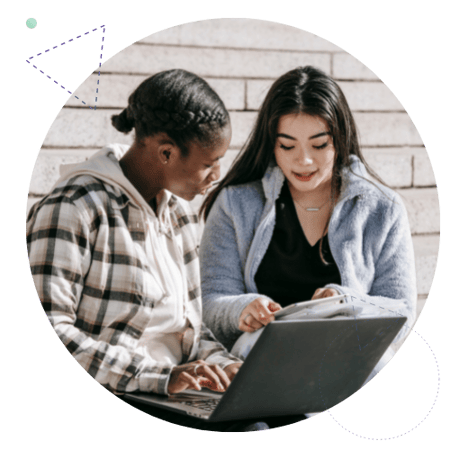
235, 77
245, 96
394, 146
419, 187
99, 108
98, 147
359, 111
237, 49
254, 111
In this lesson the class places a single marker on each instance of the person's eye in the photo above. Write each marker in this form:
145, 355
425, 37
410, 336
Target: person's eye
319, 147
286, 148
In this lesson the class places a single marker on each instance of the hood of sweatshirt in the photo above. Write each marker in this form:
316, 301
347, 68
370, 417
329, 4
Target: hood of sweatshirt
104, 165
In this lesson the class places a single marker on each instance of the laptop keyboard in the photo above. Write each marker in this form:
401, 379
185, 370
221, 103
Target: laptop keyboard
205, 405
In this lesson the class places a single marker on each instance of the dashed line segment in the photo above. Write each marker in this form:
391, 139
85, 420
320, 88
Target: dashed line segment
54, 81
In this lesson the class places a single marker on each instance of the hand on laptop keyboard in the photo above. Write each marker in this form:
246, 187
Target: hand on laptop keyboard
196, 374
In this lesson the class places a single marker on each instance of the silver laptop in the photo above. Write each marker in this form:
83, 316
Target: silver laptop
295, 367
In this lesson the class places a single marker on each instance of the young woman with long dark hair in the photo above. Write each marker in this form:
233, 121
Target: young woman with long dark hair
301, 216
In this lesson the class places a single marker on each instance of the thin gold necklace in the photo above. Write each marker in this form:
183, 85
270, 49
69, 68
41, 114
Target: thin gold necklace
312, 208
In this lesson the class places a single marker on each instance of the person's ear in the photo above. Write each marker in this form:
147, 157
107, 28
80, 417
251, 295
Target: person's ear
167, 153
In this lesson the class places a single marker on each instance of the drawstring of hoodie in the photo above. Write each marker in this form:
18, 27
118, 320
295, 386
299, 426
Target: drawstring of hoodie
160, 279
163, 226
180, 265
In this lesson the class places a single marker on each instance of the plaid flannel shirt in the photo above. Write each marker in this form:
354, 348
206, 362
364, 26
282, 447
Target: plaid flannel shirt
84, 244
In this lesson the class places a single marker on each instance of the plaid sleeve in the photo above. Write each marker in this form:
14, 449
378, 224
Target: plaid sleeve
212, 351
59, 247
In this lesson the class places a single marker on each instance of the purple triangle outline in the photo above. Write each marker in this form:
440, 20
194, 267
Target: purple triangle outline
28, 61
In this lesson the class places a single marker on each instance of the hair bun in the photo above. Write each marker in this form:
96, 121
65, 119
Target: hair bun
123, 122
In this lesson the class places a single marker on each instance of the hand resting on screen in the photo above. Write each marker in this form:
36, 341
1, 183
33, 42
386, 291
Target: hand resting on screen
257, 314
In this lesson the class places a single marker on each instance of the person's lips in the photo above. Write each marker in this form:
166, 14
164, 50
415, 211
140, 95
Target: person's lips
304, 176
206, 189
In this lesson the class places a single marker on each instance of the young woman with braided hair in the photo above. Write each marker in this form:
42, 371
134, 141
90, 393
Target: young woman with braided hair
300, 216
113, 249
181, 115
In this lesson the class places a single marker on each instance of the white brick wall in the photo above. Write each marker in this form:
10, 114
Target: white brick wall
241, 58
393, 165
47, 168
241, 33
114, 90
376, 129
386, 129
65, 131
83, 128
423, 172
212, 62
361, 95
423, 209
369, 96
425, 250
346, 67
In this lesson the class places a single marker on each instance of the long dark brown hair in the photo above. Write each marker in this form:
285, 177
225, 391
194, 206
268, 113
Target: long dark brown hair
302, 90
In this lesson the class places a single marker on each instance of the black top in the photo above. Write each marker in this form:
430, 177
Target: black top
291, 269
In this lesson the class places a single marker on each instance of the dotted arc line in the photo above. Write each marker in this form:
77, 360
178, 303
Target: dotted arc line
416, 426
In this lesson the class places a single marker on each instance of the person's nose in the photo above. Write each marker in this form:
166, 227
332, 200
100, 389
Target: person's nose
304, 157
215, 173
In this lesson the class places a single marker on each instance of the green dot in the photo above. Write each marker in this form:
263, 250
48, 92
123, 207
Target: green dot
31, 23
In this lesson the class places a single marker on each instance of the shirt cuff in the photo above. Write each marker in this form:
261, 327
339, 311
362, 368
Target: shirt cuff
157, 383
223, 362
229, 363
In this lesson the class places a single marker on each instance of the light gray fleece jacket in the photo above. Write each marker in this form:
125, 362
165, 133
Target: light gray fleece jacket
369, 239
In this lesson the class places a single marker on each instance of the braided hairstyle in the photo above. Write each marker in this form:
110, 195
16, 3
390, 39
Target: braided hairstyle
176, 102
